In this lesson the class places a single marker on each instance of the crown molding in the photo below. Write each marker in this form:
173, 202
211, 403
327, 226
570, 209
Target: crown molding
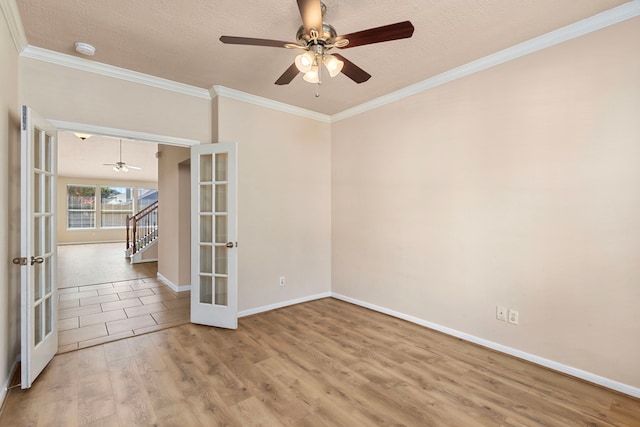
122, 133
87, 65
580, 28
602, 20
12, 16
268, 103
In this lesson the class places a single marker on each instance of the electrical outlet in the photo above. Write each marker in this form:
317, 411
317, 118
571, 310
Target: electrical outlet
281, 280
513, 316
501, 313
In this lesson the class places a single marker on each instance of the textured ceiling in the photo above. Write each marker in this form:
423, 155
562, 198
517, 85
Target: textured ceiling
85, 159
178, 40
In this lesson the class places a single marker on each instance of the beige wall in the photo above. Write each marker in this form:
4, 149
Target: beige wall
66, 236
9, 192
284, 197
89, 98
517, 186
172, 236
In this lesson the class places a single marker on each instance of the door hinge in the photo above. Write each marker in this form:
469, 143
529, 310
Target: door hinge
20, 261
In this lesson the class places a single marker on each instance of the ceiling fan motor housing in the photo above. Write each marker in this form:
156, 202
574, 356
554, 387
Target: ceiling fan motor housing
327, 36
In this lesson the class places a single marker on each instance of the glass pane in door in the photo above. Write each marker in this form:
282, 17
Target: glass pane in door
37, 192
221, 229
206, 290
221, 291
206, 168
221, 198
221, 260
37, 324
206, 229
206, 202
48, 324
48, 155
206, 258
221, 166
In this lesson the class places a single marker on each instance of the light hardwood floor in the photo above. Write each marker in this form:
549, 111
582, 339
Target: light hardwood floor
89, 264
322, 363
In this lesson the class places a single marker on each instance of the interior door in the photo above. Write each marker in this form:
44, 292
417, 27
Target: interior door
38, 292
214, 258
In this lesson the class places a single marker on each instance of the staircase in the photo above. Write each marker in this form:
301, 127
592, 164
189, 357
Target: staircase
142, 235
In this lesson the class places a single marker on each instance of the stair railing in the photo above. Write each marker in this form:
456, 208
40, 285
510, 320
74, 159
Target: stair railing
142, 228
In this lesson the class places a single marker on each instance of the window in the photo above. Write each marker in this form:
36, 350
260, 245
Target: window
146, 197
115, 204
81, 206
110, 210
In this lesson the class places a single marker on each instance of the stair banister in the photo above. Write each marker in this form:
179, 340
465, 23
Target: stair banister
142, 228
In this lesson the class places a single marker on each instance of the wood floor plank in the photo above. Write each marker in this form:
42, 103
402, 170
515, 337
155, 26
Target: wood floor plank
132, 402
322, 363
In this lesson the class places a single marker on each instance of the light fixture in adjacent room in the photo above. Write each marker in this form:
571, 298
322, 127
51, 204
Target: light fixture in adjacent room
121, 166
83, 136
85, 49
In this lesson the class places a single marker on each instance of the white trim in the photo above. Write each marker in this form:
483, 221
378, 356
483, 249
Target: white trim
169, 283
580, 28
87, 65
270, 307
142, 261
268, 103
7, 382
569, 370
122, 133
14, 23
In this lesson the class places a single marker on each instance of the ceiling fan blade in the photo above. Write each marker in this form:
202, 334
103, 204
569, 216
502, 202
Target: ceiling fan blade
248, 41
399, 30
288, 76
352, 71
134, 167
109, 164
311, 13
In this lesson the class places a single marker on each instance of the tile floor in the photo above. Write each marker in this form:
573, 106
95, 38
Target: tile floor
95, 314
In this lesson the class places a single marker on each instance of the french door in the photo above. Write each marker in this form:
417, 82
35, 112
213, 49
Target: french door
39, 329
214, 259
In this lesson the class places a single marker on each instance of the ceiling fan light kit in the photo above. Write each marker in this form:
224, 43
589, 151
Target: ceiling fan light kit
317, 38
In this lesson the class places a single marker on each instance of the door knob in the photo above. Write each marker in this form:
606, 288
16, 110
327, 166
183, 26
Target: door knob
37, 260
229, 244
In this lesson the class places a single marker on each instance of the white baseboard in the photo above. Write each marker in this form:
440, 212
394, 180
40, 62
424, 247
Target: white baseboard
7, 382
565, 369
169, 283
269, 307
142, 261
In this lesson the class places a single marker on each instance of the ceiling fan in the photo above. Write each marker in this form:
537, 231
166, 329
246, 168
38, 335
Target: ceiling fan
121, 166
316, 38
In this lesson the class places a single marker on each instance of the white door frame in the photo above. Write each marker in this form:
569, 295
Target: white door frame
123, 133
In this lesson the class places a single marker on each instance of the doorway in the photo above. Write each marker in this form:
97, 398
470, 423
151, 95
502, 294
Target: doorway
102, 297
